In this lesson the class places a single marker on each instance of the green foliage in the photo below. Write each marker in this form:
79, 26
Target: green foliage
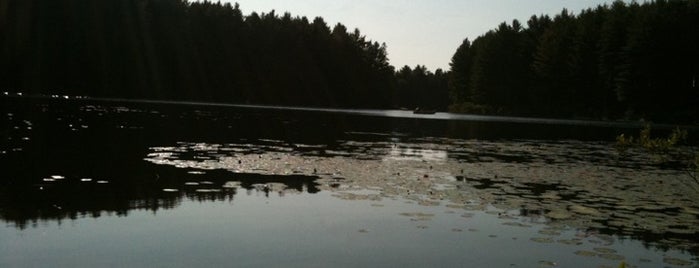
645, 140
665, 148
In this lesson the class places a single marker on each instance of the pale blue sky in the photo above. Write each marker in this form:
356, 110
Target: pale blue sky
423, 32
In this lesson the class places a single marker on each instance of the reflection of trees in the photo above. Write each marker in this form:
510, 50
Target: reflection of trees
104, 151
664, 241
26, 203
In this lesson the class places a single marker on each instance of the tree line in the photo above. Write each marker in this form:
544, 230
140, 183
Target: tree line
618, 61
181, 50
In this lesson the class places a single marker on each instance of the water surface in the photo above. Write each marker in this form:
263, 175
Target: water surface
116, 183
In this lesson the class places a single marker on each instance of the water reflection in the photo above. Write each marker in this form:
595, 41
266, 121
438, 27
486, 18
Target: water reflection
66, 161
564, 183
402, 153
73, 197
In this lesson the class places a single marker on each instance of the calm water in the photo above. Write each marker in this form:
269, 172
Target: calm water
114, 183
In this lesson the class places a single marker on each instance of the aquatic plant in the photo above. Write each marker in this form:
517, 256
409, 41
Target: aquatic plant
645, 140
666, 149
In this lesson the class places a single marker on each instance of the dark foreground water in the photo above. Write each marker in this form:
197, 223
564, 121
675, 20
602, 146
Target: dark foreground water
109, 183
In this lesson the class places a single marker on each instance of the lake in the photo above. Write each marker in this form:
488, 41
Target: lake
100, 182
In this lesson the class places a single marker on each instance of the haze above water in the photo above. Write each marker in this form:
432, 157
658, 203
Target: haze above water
114, 183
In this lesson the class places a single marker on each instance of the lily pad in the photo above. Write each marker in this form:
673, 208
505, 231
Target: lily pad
559, 215
678, 262
610, 256
549, 232
583, 210
547, 264
570, 241
542, 239
518, 224
605, 250
586, 253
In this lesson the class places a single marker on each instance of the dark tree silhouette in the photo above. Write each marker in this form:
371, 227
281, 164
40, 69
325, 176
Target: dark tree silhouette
632, 61
420, 88
629, 61
181, 50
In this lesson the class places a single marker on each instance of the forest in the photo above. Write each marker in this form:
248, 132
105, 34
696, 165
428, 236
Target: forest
619, 61
180, 50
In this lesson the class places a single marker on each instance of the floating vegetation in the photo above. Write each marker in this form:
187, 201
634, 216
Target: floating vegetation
605, 250
418, 216
467, 215
542, 239
353, 196
547, 264
583, 210
517, 224
574, 241
610, 256
590, 189
677, 262
549, 232
586, 253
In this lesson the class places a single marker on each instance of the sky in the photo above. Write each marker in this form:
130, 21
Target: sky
425, 32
